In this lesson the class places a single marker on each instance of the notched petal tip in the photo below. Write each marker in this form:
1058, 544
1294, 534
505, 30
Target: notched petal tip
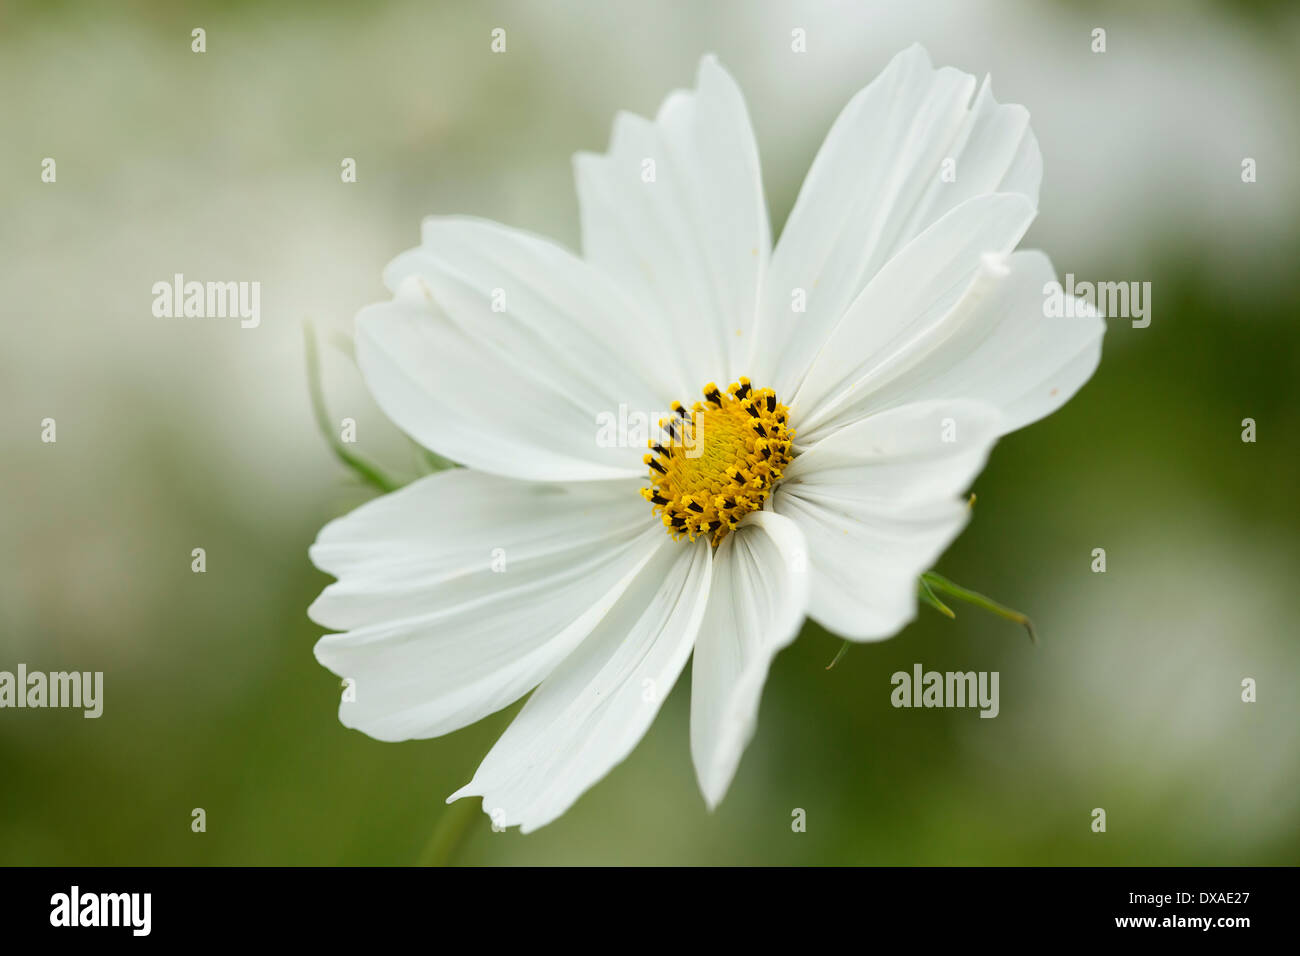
915, 50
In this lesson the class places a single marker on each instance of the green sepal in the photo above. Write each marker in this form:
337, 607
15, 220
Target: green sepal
926, 594
931, 582
366, 470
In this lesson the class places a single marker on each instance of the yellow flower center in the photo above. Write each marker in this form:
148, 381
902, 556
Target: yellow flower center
718, 461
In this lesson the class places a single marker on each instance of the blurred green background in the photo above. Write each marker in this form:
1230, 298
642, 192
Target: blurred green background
177, 434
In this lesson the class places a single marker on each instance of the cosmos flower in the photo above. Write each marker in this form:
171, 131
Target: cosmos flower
826, 403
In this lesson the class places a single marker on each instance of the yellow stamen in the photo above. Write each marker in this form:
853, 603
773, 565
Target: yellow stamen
718, 461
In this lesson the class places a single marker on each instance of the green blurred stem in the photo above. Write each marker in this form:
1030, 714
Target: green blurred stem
844, 649
366, 470
448, 836
937, 582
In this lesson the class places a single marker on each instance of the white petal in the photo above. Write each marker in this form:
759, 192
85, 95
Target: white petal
455, 393
589, 714
876, 183
756, 606
463, 590
998, 346
906, 306
540, 308
693, 244
876, 503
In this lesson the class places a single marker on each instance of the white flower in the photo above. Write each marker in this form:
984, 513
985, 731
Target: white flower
892, 330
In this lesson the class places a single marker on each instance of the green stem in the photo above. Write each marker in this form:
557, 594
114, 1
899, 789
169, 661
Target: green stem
369, 472
448, 836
